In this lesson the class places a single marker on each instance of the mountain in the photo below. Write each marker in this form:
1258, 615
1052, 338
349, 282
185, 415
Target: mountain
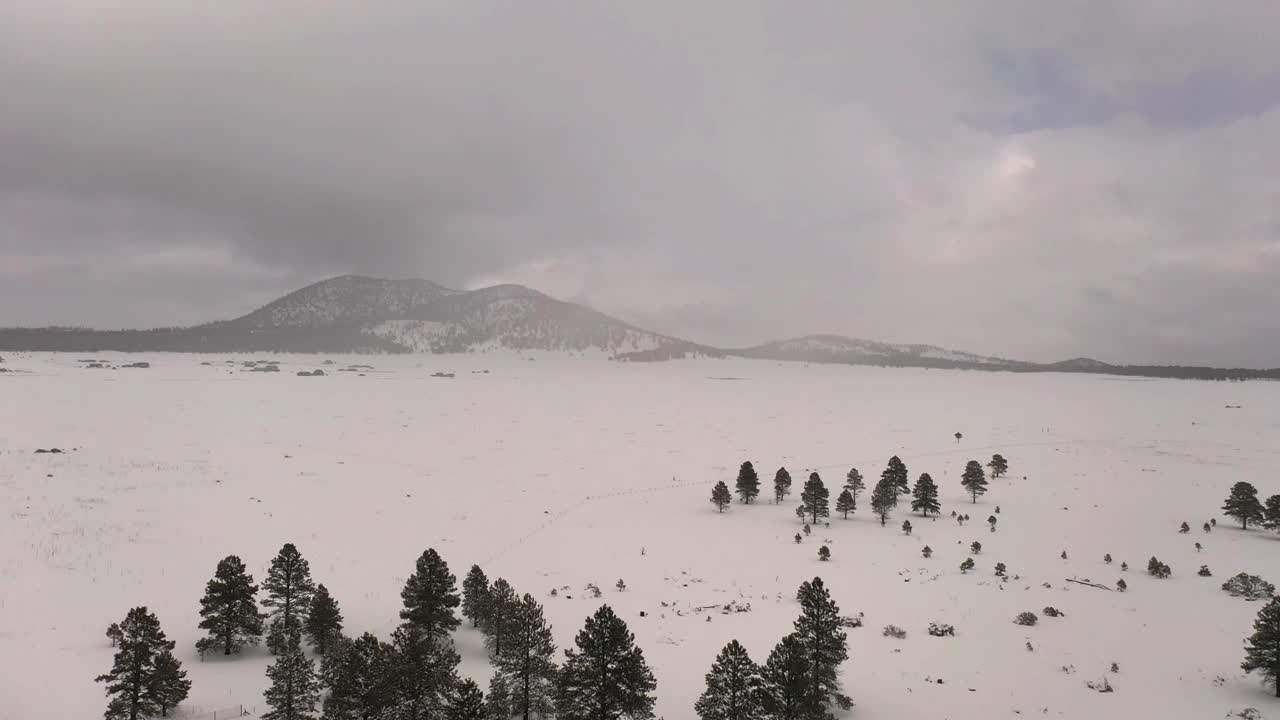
855, 351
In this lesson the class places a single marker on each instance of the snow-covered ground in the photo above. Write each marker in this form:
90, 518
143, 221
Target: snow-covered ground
559, 472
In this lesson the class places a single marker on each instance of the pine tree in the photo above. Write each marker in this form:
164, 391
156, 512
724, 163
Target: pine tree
884, 498
906, 527
289, 589
114, 634
423, 673
294, 690
430, 595
468, 702
824, 553
136, 668
967, 565
169, 685
814, 497
1243, 504
527, 664
924, 497
819, 630
720, 496
497, 702
897, 472
974, 480
497, 623
748, 485
854, 483
845, 503
230, 609
781, 485
733, 687
324, 623
999, 466
1271, 514
1262, 649
606, 678
475, 595
359, 674
785, 680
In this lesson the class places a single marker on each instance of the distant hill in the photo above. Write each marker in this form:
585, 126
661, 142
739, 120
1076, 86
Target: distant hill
357, 314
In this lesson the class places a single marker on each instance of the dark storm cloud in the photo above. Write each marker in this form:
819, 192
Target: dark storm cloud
730, 171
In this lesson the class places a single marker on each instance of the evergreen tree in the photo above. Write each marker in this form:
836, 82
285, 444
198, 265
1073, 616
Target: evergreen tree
527, 664
720, 496
884, 498
854, 483
781, 485
114, 634
1271, 519
467, 703
135, 674
896, 471
294, 689
819, 630
785, 680
169, 685
324, 623
359, 675
430, 595
733, 687
814, 497
748, 485
424, 673
606, 678
924, 497
498, 620
974, 480
475, 595
824, 553
497, 702
845, 503
967, 565
999, 466
1262, 649
289, 589
230, 609
906, 527
1243, 504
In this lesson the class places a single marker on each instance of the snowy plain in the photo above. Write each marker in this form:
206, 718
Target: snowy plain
558, 471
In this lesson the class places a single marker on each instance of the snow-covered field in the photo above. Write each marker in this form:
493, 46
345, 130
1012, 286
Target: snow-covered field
562, 471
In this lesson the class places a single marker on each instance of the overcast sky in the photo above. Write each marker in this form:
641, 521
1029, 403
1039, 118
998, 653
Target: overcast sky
1030, 179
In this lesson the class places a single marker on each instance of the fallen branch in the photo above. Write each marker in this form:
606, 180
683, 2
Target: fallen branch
1092, 585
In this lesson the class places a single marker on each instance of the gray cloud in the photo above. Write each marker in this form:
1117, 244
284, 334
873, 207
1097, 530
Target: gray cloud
1004, 177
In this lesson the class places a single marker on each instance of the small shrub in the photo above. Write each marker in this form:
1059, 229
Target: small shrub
997, 509
906, 526
1052, 611
1157, 569
1107, 558
1185, 528
1000, 569
1064, 555
1026, 618
941, 630
894, 631
991, 520
1207, 527
1124, 567
1115, 667
1121, 585
622, 587
798, 538
1249, 587
807, 529
1102, 686
976, 548
967, 565
594, 590
1030, 647
927, 552
1204, 571
824, 553
1199, 547
849, 621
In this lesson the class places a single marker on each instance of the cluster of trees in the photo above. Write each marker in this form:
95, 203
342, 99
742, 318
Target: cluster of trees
145, 680
1243, 505
799, 679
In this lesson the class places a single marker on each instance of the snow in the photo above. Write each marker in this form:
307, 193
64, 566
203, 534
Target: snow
562, 470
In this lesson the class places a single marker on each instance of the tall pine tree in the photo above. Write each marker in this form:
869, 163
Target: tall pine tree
924, 498
169, 685
527, 664
825, 644
229, 609
854, 483
748, 485
430, 595
1271, 513
475, 595
1262, 649
781, 485
497, 702
467, 702
845, 503
289, 590
974, 480
497, 624
999, 466
136, 672
733, 687
606, 678
424, 669
324, 623
884, 498
785, 681
359, 674
720, 496
1243, 505
294, 689
897, 472
814, 498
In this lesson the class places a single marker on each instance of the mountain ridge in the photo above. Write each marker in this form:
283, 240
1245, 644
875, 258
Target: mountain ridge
361, 314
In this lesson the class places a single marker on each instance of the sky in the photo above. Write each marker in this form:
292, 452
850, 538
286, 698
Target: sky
1037, 180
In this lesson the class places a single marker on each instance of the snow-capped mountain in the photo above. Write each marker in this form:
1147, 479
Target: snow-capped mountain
840, 349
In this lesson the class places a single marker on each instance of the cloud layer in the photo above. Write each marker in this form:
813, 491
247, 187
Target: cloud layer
1005, 177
